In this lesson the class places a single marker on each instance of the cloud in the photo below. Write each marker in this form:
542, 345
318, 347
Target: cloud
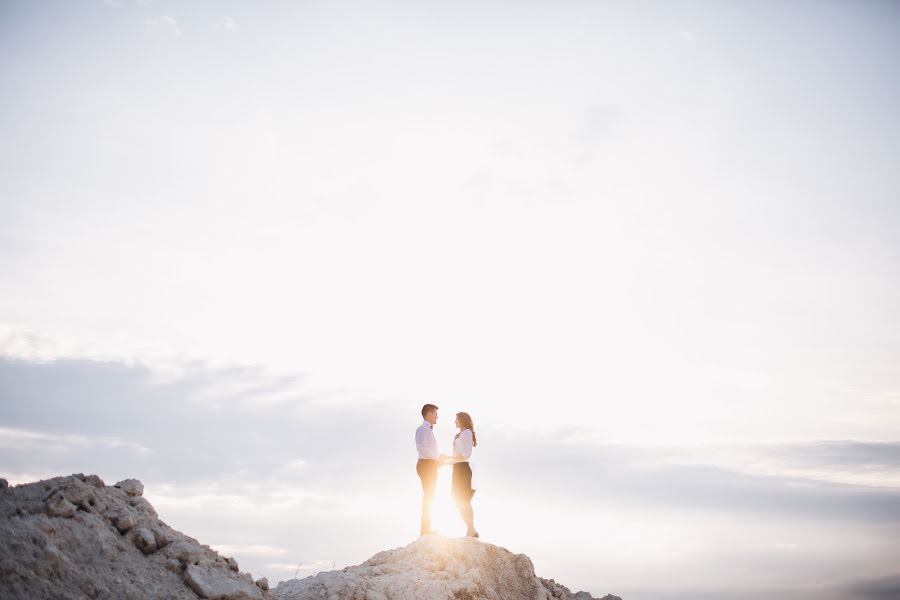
237, 493
239, 423
843, 455
164, 23
17, 341
202, 425
228, 549
661, 477
25, 440
226, 24
121, 3
874, 588
886, 398
838, 461
593, 129
302, 569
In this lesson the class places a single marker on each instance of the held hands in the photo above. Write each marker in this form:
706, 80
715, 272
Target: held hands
446, 459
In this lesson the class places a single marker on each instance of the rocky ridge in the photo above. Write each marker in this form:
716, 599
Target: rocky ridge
75, 537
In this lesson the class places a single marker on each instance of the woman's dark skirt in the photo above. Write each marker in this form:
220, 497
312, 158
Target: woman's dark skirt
461, 486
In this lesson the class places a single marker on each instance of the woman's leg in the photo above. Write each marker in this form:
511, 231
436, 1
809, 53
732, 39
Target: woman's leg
462, 486
468, 515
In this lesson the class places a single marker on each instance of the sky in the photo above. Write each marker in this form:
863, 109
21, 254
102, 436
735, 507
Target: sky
653, 248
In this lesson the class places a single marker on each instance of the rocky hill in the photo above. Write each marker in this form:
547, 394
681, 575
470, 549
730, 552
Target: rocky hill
75, 537
434, 567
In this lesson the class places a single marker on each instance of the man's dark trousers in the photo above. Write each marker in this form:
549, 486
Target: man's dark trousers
427, 470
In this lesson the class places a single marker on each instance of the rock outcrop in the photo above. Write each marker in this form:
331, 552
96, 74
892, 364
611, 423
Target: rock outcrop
75, 537
435, 568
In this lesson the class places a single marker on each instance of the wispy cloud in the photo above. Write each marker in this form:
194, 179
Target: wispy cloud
120, 3
301, 567
20, 342
295, 464
24, 439
886, 587
163, 23
840, 461
226, 24
705, 479
240, 492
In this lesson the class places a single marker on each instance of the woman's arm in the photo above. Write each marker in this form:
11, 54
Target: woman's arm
465, 445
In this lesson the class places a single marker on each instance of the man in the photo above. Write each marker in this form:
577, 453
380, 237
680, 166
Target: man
429, 461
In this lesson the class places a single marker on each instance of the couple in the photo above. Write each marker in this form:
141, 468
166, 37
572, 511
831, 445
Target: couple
430, 460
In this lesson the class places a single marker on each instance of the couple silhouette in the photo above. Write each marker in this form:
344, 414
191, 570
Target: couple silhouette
430, 460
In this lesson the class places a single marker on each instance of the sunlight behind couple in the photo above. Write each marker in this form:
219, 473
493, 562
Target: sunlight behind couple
444, 516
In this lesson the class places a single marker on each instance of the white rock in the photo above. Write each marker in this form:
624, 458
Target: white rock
132, 487
144, 540
58, 506
186, 551
161, 536
433, 567
125, 521
143, 506
217, 584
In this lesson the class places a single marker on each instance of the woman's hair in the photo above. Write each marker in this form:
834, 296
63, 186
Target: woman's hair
466, 421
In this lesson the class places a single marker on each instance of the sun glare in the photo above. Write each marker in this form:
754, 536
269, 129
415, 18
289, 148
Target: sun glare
444, 516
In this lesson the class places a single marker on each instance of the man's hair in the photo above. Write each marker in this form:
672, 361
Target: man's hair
427, 409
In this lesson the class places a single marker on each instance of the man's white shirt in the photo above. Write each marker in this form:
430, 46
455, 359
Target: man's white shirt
426, 443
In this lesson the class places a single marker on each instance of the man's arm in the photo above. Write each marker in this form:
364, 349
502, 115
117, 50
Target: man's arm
421, 443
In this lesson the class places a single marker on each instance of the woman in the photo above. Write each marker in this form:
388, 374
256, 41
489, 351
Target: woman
461, 487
